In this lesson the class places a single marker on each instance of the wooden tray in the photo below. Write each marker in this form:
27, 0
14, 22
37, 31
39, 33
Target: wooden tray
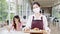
32, 31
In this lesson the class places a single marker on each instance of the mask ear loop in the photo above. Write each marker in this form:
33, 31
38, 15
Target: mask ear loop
41, 11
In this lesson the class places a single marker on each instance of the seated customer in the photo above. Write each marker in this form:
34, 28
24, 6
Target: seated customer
17, 25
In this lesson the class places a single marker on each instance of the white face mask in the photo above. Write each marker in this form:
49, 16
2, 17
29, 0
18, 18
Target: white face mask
36, 10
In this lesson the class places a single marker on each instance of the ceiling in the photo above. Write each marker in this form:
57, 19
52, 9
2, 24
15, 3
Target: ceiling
45, 3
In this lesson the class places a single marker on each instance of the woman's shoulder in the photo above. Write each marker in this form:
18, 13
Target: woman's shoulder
20, 23
43, 16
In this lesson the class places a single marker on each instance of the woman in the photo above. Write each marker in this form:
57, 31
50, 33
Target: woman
17, 25
37, 21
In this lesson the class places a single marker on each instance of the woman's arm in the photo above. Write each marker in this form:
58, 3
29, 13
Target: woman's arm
46, 24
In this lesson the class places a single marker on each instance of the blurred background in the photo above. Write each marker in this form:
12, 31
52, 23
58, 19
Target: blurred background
23, 8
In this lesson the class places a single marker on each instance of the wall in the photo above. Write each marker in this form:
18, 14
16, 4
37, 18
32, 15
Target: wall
47, 11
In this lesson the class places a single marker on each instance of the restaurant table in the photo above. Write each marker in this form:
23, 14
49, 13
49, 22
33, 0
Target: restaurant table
5, 31
12, 32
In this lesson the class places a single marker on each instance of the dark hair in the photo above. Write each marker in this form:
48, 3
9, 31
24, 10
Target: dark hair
14, 24
7, 22
24, 17
36, 3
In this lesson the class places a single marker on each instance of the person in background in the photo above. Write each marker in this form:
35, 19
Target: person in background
24, 21
24, 17
16, 25
7, 22
37, 21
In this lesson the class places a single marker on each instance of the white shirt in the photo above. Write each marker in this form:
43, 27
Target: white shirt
29, 22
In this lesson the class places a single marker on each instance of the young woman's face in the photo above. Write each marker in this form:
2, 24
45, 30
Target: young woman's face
36, 8
16, 20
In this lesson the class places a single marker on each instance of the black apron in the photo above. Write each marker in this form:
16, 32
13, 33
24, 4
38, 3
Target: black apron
37, 24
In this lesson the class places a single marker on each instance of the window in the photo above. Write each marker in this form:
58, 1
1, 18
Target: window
3, 10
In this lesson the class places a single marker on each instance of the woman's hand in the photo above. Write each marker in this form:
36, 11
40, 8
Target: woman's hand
26, 29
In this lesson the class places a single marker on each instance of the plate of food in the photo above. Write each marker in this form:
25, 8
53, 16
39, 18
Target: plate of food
35, 30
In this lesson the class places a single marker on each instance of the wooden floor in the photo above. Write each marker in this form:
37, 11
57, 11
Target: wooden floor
54, 29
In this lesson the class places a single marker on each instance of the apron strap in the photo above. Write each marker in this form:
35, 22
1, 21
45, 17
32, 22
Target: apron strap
33, 18
41, 18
